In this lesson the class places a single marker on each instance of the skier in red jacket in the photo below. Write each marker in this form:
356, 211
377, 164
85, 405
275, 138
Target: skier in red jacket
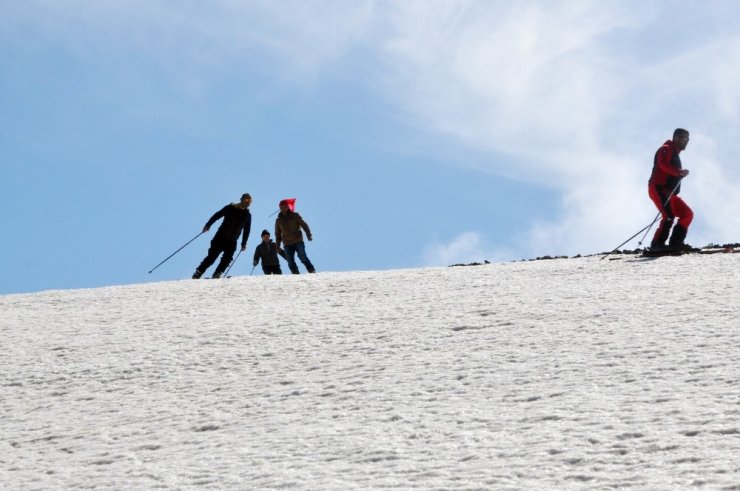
663, 189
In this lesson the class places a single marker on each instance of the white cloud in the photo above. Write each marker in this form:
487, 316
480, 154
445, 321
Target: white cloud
711, 190
466, 248
576, 95
292, 39
523, 79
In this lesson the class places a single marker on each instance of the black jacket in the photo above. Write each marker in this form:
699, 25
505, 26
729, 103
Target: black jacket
268, 253
236, 221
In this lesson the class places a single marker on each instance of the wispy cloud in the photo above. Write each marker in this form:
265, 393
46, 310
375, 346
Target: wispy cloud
522, 79
575, 95
292, 39
466, 248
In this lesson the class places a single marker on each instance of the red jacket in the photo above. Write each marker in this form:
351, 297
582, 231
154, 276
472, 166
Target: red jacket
667, 167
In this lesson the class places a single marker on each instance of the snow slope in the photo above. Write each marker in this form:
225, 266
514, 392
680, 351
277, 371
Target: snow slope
561, 374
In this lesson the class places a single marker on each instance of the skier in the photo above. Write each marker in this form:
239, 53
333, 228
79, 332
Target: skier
288, 227
236, 220
268, 252
666, 178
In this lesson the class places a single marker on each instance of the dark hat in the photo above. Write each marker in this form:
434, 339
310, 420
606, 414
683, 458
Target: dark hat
264, 232
246, 195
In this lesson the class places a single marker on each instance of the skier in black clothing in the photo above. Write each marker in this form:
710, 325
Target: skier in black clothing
237, 220
268, 252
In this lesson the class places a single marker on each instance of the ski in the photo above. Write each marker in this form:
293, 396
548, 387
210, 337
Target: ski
663, 252
723, 250
706, 250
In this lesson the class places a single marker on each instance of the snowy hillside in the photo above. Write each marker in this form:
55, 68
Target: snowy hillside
561, 374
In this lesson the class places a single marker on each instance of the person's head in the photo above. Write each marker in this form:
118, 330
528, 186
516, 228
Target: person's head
284, 208
246, 200
681, 138
265, 236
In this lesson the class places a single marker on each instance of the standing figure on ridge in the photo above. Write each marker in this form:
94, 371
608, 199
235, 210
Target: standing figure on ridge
237, 220
288, 225
663, 188
268, 251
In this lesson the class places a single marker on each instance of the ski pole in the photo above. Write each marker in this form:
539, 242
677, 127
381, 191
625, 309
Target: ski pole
647, 228
250, 273
181, 248
232, 263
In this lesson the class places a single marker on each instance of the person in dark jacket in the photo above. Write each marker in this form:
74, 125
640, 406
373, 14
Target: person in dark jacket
663, 188
288, 227
236, 220
268, 251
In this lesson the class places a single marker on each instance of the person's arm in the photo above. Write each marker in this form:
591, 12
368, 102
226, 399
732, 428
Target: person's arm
219, 214
257, 255
278, 234
245, 232
665, 154
304, 226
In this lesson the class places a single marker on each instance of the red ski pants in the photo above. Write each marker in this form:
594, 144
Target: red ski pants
676, 207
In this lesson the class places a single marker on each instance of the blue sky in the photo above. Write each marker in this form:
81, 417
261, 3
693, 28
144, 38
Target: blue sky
412, 133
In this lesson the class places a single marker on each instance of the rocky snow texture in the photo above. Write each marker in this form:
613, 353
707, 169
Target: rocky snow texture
562, 374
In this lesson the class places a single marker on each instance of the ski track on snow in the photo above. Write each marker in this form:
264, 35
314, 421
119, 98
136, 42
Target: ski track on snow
561, 374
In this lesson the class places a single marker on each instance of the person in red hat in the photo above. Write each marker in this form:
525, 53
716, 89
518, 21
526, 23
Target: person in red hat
288, 231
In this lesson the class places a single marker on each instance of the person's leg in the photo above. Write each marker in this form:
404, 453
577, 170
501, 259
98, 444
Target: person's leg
685, 216
290, 251
213, 251
228, 248
661, 235
680, 209
666, 222
301, 250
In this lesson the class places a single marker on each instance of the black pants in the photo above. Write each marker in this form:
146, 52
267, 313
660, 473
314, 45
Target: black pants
218, 246
272, 269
